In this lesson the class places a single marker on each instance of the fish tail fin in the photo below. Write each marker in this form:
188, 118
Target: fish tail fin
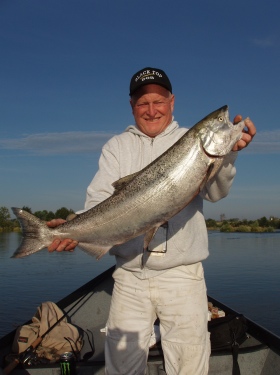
34, 230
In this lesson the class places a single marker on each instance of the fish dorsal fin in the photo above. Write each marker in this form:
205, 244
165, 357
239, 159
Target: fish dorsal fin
118, 185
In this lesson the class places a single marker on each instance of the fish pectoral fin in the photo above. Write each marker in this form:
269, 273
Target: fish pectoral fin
94, 250
215, 168
118, 185
209, 174
149, 236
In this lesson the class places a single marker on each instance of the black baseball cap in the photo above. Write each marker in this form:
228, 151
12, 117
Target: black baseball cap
149, 76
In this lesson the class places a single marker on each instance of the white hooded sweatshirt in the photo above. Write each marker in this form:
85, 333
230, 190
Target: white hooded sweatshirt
185, 240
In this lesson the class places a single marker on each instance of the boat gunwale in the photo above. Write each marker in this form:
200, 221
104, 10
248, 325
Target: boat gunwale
260, 333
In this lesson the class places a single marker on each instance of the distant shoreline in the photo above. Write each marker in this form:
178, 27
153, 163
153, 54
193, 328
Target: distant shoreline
243, 229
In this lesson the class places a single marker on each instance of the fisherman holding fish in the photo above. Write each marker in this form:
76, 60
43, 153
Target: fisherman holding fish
166, 280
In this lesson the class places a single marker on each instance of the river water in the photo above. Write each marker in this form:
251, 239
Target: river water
242, 271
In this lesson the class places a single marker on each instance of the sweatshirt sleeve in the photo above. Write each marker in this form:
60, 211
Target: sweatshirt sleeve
101, 187
219, 186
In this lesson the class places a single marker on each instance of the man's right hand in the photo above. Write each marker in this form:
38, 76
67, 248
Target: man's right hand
67, 244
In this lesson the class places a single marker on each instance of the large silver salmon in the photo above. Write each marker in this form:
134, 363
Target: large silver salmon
145, 200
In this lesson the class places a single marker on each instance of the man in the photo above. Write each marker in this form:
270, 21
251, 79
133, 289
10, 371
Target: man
167, 281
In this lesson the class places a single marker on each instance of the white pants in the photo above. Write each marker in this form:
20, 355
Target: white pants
178, 297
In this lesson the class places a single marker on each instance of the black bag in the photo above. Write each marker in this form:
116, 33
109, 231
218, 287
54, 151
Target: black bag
227, 333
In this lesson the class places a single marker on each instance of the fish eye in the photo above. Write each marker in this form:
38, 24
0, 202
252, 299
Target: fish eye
220, 119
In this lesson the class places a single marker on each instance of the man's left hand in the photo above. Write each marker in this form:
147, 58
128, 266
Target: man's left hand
247, 134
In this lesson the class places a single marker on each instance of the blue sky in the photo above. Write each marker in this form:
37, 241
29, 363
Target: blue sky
64, 77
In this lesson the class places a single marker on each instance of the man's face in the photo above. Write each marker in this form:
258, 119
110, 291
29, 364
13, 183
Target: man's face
152, 108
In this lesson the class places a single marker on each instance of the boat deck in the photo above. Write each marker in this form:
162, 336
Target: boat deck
90, 314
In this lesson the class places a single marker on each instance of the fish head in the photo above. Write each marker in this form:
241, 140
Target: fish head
217, 134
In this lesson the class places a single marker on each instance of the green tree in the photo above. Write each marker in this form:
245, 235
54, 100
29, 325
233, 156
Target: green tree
211, 223
5, 217
63, 212
50, 216
244, 229
28, 209
226, 227
41, 214
264, 222
255, 224
45, 215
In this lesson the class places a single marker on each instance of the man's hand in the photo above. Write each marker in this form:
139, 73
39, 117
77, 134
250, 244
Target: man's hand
66, 244
247, 135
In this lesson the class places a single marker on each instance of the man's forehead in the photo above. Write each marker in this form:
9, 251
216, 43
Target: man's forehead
151, 91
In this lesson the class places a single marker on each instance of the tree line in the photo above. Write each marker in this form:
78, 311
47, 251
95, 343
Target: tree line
260, 225
232, 225
8, 224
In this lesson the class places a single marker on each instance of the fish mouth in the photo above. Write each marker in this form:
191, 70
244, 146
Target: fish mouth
219, 135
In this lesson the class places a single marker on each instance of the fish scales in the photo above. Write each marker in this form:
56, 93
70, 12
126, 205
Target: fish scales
144, 200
